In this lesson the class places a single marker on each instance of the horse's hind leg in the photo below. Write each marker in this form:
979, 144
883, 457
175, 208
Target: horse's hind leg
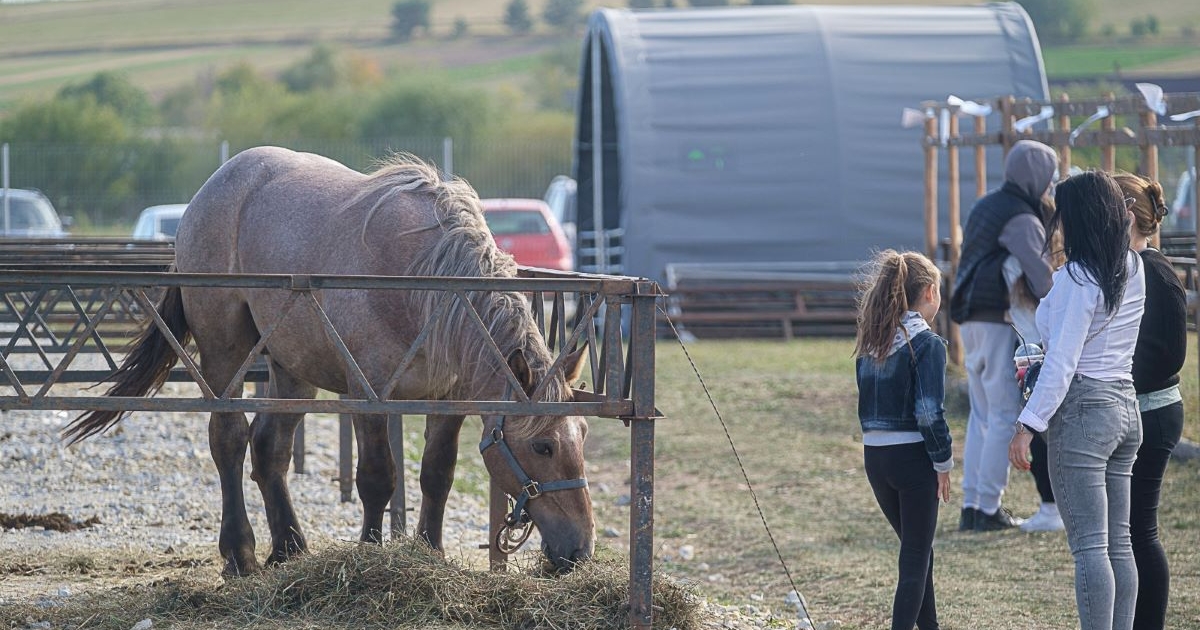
437, 474
271, 436
376, 477
224, 335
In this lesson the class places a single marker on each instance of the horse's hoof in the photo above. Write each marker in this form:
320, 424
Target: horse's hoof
235, 568
281, 555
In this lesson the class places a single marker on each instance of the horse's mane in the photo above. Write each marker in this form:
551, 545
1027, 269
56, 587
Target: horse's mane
458, 356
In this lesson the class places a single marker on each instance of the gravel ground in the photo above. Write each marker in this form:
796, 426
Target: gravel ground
153, 486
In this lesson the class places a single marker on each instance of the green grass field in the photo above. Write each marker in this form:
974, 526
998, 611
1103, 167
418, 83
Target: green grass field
163, 44
790, 409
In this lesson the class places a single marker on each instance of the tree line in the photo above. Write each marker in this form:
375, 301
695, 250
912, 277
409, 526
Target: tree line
103, 149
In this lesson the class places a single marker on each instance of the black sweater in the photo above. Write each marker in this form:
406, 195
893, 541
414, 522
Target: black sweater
1162, 336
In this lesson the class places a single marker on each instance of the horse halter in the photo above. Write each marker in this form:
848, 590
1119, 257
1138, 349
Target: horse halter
518, 524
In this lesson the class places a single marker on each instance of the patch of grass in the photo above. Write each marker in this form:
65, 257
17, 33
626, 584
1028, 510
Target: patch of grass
1071, 62
790, 408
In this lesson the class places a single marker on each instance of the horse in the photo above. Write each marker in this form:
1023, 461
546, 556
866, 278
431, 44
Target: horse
269, 210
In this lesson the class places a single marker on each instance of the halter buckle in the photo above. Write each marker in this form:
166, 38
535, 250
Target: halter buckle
532, 489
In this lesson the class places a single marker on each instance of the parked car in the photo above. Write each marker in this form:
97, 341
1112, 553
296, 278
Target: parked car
29, 214
159, 223
526, 229
560, 196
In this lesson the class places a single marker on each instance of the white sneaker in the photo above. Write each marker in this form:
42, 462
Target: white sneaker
1046, 519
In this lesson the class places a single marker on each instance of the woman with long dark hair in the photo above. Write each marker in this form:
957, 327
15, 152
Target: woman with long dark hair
1084, 400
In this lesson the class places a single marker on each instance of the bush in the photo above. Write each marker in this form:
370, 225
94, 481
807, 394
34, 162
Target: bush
563, 15
460, 27
1059, 20
408, 16
516, 17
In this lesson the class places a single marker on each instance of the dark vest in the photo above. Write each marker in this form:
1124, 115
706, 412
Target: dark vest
980, 292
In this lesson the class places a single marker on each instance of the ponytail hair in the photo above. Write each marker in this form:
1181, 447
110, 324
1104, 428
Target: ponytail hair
893, 283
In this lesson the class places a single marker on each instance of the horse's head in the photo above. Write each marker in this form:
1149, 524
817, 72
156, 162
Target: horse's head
538, 460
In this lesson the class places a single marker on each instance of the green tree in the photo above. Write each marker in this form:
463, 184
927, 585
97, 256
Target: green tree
1059, 20
461, 28
516, 17
769, 2
319, 71
708, 3
408, 16
641, 4
116, 91
563, 15
424, 107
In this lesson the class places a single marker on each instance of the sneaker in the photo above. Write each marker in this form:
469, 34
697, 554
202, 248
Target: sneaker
966, 521
1002, 519
1046, 519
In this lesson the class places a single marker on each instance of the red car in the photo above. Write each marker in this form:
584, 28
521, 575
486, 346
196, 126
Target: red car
526, 229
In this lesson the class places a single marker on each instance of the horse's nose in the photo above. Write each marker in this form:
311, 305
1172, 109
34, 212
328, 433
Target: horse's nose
580, 555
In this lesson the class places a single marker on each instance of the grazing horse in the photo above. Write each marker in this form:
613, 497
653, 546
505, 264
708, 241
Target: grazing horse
273, 211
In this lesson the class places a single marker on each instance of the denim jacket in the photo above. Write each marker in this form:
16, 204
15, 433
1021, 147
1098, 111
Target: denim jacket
905, 392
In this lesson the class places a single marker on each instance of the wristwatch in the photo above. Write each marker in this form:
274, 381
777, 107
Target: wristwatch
1021, 428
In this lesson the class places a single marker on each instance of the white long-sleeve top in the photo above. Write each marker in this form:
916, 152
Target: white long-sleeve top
1082, 338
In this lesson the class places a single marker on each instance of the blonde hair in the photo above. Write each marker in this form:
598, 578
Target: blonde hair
1149, 208
893, 285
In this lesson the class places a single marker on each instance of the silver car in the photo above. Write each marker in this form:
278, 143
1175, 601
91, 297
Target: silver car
28, 214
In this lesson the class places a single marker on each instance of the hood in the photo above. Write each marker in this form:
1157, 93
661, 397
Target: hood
1030, 166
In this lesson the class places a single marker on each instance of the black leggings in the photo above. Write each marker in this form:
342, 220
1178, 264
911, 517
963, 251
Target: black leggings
905, 485
1039, 467
1161, 429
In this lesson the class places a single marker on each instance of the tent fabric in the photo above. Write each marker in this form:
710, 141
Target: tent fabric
772, 134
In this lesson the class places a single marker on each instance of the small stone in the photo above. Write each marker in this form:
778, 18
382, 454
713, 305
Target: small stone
687, 552
144, 624
756, 597
622, 501
611, 532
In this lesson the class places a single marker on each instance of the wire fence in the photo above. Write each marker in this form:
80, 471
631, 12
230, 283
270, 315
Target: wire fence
103, 186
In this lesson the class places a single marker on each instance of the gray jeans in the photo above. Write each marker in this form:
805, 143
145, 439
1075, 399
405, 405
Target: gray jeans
1092, 442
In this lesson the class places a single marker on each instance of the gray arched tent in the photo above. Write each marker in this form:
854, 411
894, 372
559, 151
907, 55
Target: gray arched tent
772, 134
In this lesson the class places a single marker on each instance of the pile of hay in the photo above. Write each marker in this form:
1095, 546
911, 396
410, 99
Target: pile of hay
401, 584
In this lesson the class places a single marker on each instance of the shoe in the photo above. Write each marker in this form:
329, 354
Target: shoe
1046, 519
1002, 519
966, 521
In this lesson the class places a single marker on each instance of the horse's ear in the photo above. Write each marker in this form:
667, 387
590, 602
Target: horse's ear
520, 369
573, 368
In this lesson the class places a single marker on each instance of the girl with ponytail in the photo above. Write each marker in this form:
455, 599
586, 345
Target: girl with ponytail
901, 372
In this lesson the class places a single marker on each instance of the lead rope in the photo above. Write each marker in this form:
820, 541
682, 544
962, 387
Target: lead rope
753, 495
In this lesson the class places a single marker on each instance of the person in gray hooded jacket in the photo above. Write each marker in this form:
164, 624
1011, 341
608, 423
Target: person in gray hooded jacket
1006, 221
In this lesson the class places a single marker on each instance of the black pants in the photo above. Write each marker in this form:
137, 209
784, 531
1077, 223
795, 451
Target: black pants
905, 485
1039, 467
1161, 429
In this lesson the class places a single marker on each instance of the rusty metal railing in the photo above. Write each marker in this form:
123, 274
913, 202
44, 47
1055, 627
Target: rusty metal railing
55, 317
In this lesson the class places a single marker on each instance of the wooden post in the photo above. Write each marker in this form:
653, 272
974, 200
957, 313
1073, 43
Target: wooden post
1007, 134
980, 158
953, 210
1108, 151
931, 187
1064, 149
1196, 216
1149, 165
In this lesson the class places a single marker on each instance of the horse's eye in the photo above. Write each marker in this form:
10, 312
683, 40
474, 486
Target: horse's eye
544, 449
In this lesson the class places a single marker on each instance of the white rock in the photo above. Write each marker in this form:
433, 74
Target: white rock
687, 552
144, 624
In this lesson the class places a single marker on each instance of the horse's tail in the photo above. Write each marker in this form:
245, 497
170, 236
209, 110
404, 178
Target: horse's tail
144, 369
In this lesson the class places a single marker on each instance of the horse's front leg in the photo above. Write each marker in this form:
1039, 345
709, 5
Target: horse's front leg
437, 474
227, 437
376, 476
